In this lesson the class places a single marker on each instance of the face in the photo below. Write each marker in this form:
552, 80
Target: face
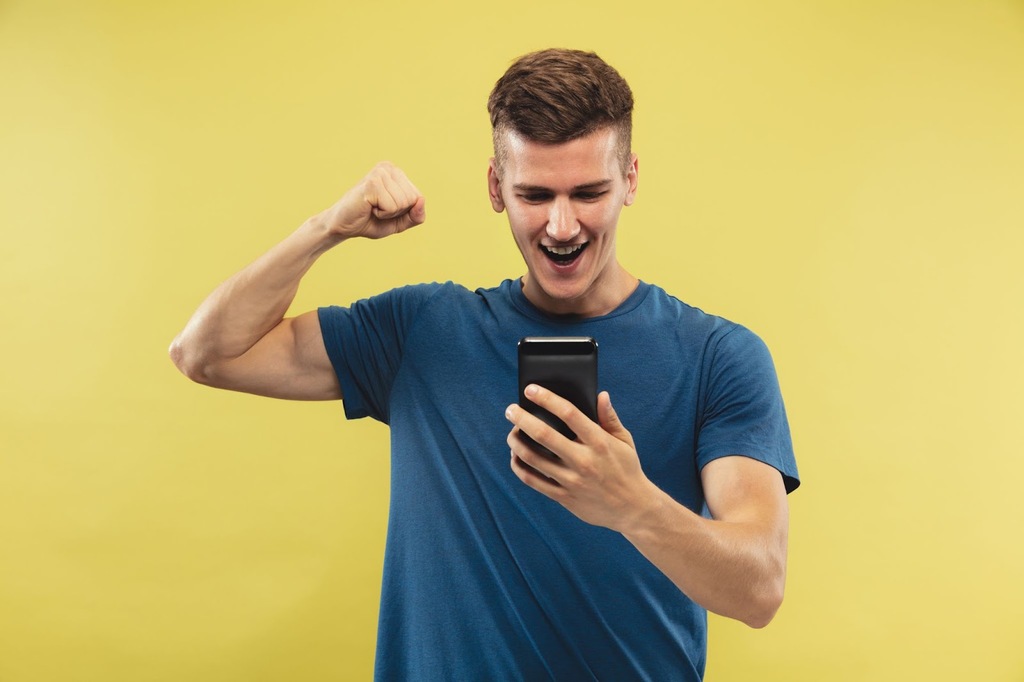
563, 203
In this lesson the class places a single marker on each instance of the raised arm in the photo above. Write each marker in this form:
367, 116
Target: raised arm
239, 339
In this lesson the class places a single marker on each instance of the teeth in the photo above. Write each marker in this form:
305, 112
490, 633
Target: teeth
564, 250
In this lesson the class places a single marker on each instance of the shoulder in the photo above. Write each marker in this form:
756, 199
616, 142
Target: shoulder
420, 293
408, 298
395, 313
740, 347
689, 320
718, 342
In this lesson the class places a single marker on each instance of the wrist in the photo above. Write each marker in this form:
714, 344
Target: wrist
317, 228
645, 513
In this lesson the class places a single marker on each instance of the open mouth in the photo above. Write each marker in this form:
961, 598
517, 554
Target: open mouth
564, 255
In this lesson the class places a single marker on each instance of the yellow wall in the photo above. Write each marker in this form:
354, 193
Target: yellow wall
846, 178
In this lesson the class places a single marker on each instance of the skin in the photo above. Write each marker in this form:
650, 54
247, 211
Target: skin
555, 195
565, 195
238, 339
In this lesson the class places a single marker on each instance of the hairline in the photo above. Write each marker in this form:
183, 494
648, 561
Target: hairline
623, 145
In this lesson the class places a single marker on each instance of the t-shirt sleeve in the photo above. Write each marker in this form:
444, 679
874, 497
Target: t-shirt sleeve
743, 412
365, 343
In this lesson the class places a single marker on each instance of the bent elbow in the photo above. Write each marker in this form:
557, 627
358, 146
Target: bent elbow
187, 363
764, 606
761, 619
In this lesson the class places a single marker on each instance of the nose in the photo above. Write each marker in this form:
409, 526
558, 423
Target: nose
562, 223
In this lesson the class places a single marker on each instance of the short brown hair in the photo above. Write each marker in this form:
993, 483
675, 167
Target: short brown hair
555, 96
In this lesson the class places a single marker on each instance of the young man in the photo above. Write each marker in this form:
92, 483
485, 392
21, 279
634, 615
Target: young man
503, 563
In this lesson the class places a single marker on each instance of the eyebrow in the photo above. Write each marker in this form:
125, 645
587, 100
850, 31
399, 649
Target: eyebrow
578, 188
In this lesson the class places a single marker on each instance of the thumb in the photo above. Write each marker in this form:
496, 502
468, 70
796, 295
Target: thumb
609, 419
418, 212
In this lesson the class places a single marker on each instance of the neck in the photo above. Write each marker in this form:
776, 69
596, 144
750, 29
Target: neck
600, 299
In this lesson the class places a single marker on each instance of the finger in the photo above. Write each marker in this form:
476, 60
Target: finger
381, 193
609, 419
539, 431
522, 448
376, 194
403, 221
412, 193
386, 206
401, 190
538, 471
579, 423
536, 480
417, 213
399, 193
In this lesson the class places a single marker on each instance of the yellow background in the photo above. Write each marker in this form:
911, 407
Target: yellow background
846, 178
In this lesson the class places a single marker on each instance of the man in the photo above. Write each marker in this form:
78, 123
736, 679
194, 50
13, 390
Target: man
673, 503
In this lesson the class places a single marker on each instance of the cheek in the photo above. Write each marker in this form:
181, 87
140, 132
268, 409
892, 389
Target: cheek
602, 216
520, 227
523, 220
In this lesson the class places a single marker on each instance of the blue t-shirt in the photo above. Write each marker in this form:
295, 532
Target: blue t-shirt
487, 579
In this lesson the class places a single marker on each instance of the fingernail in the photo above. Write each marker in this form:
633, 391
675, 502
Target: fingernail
530, 391
508, 413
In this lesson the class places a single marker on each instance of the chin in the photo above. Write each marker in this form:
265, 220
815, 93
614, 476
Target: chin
564, 296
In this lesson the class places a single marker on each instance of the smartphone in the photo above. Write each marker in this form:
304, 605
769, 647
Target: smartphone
566, 366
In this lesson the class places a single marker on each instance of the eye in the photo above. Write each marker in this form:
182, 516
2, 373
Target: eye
535, 197
590, 196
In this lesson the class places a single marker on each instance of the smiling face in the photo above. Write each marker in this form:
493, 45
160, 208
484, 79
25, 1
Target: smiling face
563, 202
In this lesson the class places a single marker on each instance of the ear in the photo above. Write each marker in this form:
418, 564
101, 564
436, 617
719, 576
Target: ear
631, 179
494, 187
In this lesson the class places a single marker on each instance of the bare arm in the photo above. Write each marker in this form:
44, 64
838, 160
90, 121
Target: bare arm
733, 564
240, 340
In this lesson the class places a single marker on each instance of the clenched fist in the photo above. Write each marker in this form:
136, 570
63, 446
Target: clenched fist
385, 202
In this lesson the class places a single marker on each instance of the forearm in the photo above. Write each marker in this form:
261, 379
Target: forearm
733, 564
248, 305
734, 568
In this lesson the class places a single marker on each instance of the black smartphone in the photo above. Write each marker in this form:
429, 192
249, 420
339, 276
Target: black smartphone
566, 366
